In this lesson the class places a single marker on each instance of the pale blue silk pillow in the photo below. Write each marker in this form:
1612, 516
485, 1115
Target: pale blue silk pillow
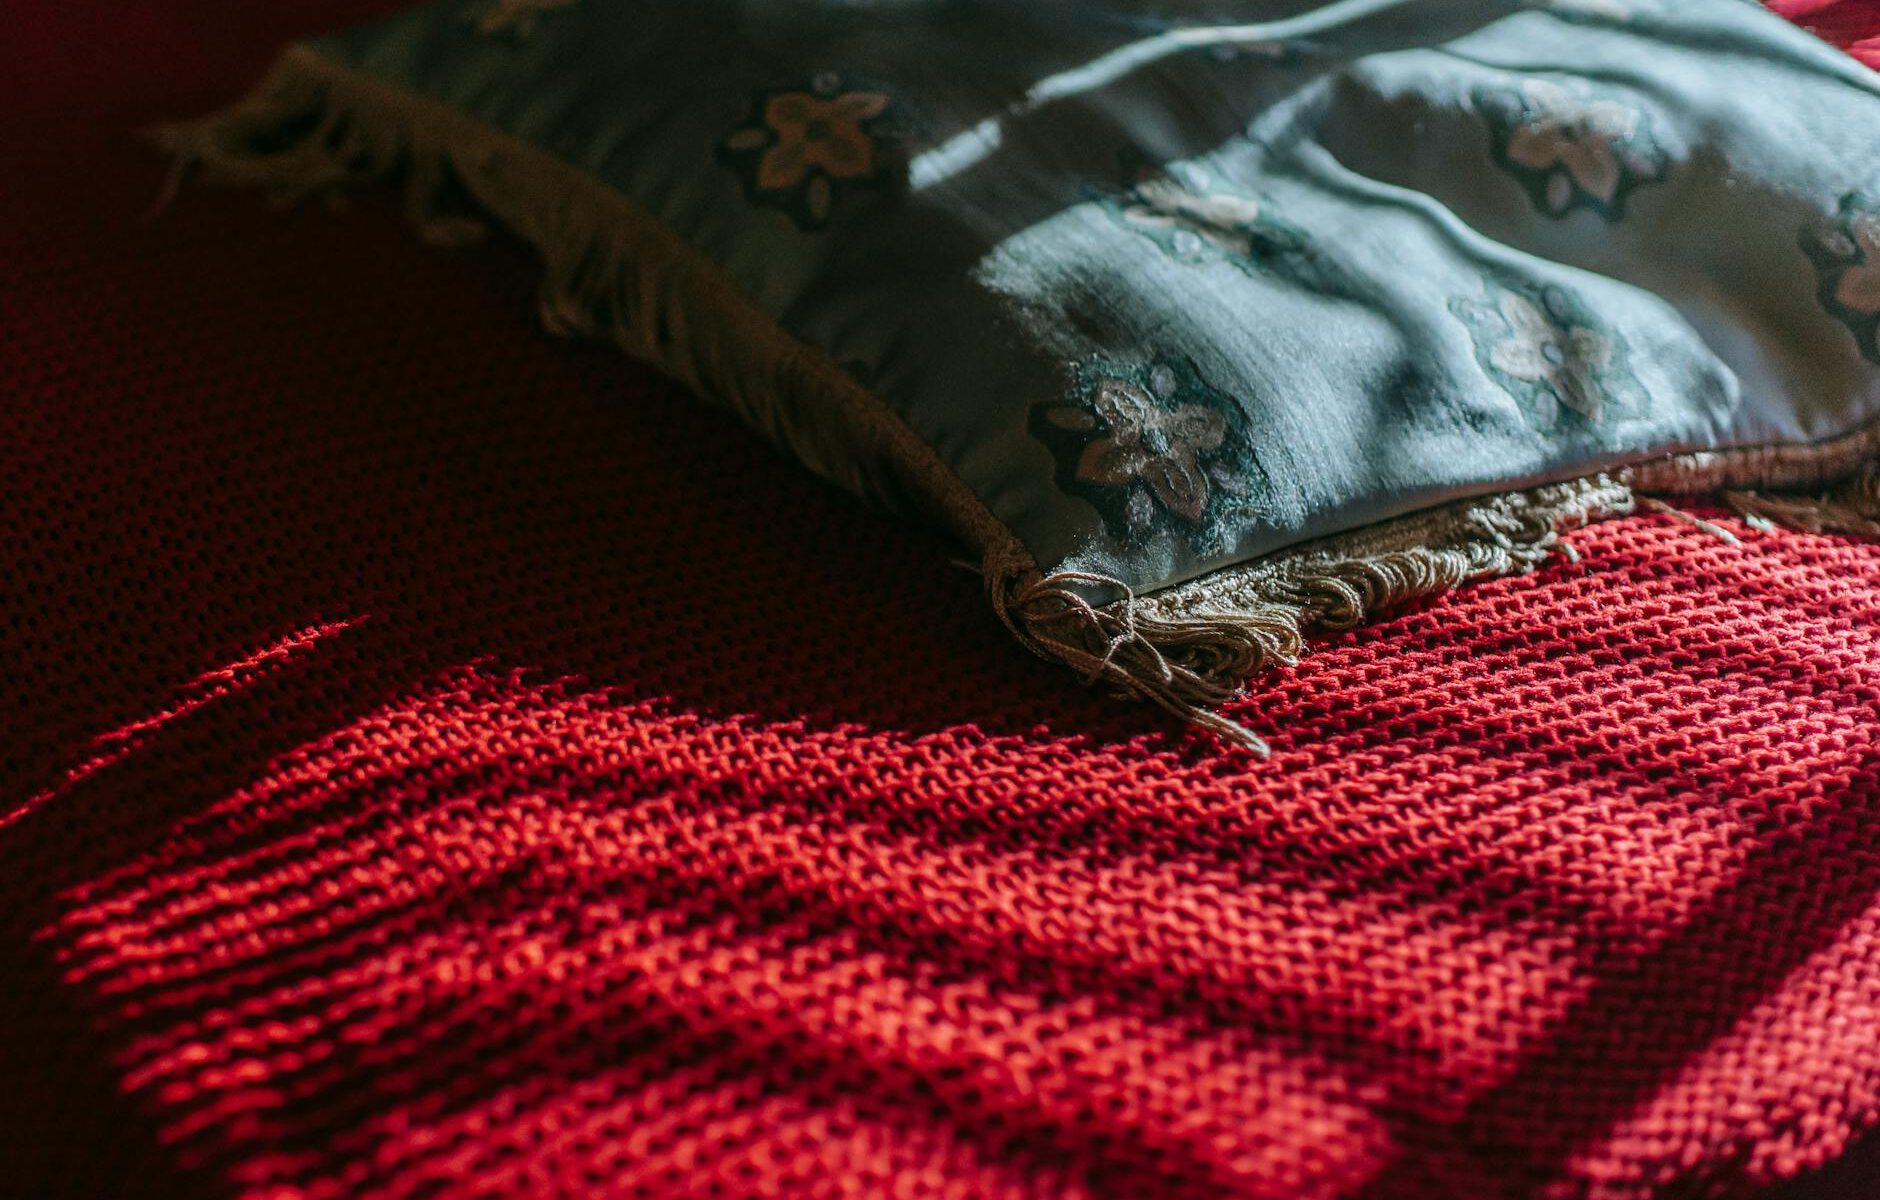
1201, 322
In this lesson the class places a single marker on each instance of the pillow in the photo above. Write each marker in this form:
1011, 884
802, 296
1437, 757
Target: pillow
1203, 323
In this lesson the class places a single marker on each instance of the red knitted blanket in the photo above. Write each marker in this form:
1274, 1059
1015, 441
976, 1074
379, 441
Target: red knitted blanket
432, 764
1851, 24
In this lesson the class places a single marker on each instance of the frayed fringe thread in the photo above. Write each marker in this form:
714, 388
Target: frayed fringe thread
1188, 666
295, 139
1852, 508
314, 128
1191, 648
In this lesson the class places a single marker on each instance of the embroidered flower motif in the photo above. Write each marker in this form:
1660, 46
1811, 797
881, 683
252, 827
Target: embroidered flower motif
1160, 446
1569, 150
1190, 221
1544, 349
1566, 359
1144, 446
1846, 253
1196, 222
803, 147
517, 18
1859, 287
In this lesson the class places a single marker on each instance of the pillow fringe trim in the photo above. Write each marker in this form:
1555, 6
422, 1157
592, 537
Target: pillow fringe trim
1852, 508
314, 128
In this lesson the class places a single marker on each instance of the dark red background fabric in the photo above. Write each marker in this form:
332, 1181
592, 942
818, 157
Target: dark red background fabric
1850, 24
438, 761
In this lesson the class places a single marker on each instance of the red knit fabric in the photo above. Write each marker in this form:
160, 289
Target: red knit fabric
436, 761
1847, 23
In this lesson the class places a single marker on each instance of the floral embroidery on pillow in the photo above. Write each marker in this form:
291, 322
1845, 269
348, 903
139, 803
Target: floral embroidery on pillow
1544, 349
517, 18
1194, 223
1846, 253
1152, 447
1570, 149
803, 148
1194, 219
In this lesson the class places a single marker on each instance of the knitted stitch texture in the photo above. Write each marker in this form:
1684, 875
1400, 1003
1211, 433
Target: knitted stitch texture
436, 761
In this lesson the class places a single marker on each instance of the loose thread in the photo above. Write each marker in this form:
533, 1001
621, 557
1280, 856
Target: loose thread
1692, 519
1051, 617
1852, 507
